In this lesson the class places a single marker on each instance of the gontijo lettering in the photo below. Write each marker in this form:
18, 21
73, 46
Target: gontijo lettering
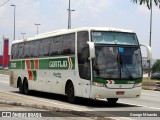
59, 64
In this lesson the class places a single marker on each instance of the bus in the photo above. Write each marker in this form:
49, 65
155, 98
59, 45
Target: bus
90, 62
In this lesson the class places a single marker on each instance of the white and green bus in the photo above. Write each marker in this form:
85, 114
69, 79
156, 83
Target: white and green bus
92, 62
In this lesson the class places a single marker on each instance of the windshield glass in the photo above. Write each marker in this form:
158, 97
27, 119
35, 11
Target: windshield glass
107, 37
117, 62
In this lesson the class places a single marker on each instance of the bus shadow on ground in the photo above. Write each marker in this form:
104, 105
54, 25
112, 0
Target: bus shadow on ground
79, 101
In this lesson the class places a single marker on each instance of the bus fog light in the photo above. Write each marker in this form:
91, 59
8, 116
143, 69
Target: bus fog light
138, 85
98, 84
98, 96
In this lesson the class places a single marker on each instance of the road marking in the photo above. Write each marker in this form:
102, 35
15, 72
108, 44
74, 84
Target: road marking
141, 105
4, 82
2, 75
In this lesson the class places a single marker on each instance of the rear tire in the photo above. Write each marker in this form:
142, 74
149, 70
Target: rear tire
112, 101
70, 93
20, 85
25, 87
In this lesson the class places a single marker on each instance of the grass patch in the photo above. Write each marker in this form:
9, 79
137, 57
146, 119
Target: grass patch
148, 84
148, 87
146, 79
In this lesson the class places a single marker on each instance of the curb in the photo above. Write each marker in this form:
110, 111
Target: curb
31, 105
70, 112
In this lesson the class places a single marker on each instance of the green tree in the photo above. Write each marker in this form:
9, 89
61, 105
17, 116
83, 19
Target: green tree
156, 66
147, 2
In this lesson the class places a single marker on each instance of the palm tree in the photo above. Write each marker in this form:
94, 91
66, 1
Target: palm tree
149, 5
147, 2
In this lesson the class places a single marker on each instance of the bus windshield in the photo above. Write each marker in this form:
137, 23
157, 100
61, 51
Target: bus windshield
117, 62
107, 37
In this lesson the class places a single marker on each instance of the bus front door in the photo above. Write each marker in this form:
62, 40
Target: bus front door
86, 88
85, 76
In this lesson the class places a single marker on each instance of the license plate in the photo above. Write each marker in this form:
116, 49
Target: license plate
120, 93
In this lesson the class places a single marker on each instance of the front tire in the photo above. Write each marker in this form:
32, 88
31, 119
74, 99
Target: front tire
112, 101
70, 92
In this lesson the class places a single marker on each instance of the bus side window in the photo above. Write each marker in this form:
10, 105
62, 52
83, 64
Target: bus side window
68, 44
83, 54
14, 52
21, 50
35, 48
55, 46
44, 47
27, 47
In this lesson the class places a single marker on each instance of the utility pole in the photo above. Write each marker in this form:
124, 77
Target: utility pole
23, 34
69, 15
150, 38
37, 27
14, 21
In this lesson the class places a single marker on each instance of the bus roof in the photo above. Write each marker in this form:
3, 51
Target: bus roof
66, 31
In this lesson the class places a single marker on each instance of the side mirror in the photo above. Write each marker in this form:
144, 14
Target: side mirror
91, 50
149, 52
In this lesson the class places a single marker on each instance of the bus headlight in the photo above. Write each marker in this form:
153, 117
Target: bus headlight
137, 85
98, 84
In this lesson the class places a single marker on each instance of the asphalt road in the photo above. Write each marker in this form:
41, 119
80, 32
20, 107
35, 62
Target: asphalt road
149, 101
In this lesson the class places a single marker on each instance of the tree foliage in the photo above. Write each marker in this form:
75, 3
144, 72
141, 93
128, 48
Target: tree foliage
147, 2
156, 66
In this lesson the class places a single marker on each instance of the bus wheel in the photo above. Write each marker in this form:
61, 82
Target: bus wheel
70, 93
20, 85
25, 87
112, 100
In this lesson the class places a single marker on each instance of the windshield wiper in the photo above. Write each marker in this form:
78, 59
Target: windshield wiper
123, 65
130, 74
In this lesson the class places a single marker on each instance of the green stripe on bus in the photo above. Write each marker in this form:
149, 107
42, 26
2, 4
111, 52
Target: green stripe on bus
57, 63
15, 64
32, 64
73, 62
101, 80
43, 64
35, 75
23, 64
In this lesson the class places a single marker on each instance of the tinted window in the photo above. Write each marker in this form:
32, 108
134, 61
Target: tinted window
44, 47
55, 46
68, 46
14, 51
83, 54
21, 50
27, 46
114, 38
34, 48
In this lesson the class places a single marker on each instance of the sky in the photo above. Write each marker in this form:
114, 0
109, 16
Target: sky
53, 15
